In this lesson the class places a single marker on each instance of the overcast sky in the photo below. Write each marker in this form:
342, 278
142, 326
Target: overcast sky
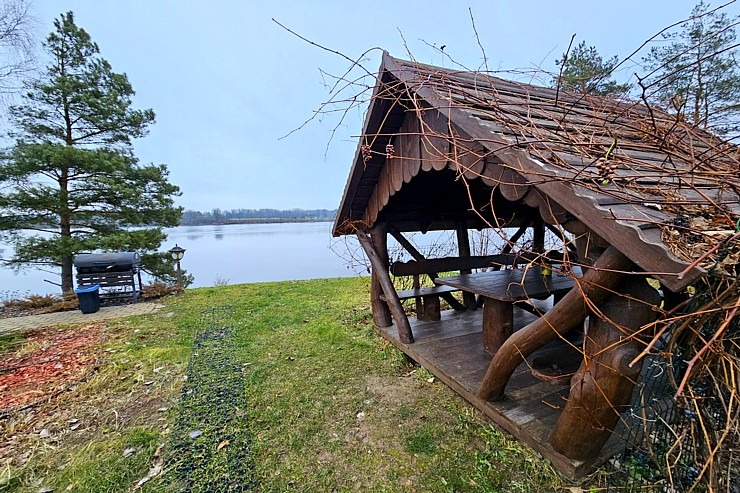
226, 82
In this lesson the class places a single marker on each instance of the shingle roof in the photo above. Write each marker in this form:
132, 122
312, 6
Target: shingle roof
659, 190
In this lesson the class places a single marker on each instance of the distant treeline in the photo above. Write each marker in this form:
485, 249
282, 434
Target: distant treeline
237, 216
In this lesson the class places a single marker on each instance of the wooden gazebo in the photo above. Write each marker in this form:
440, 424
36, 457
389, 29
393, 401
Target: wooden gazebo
619, 183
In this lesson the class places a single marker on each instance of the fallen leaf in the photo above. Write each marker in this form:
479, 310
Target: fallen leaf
195, 434
156, 470
128, 451
222, 445
44, 433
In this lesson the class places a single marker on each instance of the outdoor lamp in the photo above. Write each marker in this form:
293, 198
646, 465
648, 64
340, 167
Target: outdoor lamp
177, 254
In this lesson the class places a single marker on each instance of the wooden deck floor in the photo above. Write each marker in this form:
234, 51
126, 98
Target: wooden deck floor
452, 350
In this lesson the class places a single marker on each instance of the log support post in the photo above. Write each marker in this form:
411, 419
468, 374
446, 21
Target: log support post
463, 247
381, 312
538, 235
593, 287
602, 387
384, 279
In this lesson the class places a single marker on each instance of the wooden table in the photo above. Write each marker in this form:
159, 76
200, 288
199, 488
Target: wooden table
501, 290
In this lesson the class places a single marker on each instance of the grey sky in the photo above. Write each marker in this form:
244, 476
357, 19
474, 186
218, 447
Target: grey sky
226, 82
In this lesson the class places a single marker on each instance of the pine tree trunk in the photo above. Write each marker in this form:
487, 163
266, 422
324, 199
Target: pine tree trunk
65, 232
67, 285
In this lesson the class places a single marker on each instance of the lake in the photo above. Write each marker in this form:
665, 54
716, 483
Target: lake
244, 253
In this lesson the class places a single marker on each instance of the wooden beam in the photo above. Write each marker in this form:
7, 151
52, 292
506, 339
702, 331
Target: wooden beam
406, 244
593, 287
394, 304
463, 249
447, 264
381, 311
538, 236
602, 387
416, 254
514, 238
569, 244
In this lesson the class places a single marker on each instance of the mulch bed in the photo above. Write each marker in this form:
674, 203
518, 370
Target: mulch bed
45, 362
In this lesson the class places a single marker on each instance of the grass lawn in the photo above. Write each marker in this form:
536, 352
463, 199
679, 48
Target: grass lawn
280, 386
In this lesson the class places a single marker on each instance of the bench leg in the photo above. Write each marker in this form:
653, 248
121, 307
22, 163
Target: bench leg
498, 323
431, 308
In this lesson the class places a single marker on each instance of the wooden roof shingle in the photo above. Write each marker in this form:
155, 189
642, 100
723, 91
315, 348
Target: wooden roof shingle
634, 175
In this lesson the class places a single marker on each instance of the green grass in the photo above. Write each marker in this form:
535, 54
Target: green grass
329, 405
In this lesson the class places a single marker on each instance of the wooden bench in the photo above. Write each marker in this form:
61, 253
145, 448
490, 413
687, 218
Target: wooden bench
428, 298
428, 306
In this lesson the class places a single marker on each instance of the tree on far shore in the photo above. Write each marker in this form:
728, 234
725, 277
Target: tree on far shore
71, 182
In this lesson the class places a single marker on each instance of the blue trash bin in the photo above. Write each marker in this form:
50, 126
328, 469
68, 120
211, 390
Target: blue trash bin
89, 298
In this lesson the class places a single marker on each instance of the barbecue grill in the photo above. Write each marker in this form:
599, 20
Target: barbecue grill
118, 274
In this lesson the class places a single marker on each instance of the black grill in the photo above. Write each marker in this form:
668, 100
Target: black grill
88, 263
118, 274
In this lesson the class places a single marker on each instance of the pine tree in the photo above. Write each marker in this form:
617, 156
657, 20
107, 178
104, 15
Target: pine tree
71, 182
583, 70
696, 72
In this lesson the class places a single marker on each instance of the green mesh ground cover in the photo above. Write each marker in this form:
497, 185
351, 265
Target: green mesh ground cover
211, 443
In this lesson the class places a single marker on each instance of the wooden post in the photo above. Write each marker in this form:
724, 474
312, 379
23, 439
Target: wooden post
463, 248
594, 285
603, 386
418, 306
381, 312
384, 278
538, 235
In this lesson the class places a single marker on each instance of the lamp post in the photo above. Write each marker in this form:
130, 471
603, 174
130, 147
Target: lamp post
177, 254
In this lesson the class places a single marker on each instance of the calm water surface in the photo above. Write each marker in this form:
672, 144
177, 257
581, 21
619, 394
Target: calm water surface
244, 253
233, 254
